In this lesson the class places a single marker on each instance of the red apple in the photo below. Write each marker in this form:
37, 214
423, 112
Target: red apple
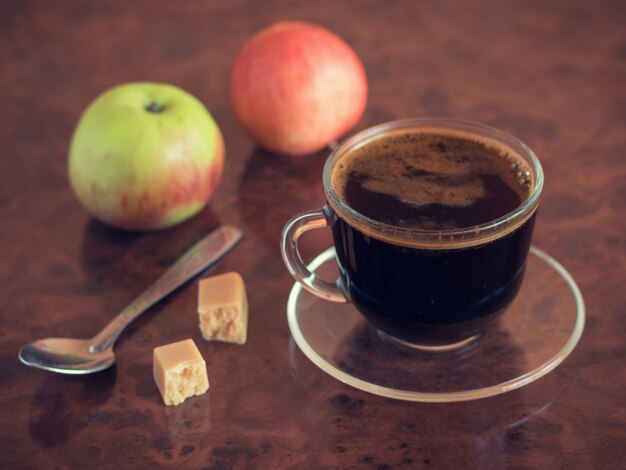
145, 156
296, 87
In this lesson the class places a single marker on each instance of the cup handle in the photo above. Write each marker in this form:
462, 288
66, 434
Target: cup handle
291, 256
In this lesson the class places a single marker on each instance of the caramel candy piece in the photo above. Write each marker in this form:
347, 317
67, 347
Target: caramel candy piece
179, 371
223, 308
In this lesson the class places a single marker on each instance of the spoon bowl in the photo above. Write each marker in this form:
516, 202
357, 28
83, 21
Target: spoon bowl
66, 355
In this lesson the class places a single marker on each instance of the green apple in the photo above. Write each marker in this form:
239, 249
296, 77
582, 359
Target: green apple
145, 156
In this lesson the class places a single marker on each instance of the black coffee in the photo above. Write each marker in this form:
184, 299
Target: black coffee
431, 181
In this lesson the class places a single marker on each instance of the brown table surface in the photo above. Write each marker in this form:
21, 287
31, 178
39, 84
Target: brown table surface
551, 73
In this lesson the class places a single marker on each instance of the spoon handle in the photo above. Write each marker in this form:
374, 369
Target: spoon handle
199, 257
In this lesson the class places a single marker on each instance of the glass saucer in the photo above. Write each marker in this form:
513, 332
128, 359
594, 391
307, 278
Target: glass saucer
538, 331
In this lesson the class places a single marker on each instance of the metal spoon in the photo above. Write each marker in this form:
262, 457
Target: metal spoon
85, 356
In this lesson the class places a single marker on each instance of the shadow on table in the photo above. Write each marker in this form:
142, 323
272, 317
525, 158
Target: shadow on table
63, 404
115, 257
274, 188
120, 265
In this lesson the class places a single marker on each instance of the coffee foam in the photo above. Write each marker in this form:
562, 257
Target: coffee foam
432, 166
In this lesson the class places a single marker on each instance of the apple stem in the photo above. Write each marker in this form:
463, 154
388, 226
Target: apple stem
154, 108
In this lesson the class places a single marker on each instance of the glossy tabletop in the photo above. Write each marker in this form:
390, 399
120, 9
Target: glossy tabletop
550, 72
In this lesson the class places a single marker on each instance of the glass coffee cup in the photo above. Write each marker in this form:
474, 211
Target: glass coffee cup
432, 222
